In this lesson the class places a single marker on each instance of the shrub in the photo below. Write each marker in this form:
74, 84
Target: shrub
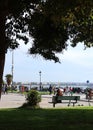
33, 98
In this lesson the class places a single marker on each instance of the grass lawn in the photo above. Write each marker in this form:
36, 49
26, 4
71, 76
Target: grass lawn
77, 118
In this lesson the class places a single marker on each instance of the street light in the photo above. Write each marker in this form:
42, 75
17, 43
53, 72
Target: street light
12, 68
40, 79
87, 83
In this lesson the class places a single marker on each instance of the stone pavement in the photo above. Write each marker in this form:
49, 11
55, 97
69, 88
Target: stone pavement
12, 100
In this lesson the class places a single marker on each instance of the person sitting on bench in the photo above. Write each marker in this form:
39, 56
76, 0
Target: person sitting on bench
59, 93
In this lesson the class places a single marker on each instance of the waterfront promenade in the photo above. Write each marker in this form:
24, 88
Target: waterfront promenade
12, 100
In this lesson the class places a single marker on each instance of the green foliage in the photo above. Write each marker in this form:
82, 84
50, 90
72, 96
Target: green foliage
8, 76
33, 98
49, 22
59, 21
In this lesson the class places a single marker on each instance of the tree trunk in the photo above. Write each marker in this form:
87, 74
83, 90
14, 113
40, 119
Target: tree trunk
3, 47
2, 62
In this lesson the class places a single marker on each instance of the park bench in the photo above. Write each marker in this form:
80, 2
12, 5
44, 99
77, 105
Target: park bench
71, 99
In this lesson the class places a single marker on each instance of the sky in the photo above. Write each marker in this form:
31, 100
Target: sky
76, 66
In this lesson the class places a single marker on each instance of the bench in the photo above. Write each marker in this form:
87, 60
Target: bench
56, 99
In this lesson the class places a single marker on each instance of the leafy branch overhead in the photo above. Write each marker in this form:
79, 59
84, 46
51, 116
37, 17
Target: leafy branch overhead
50, 23
59, 21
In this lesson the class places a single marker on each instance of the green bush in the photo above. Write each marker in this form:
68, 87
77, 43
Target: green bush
33, 98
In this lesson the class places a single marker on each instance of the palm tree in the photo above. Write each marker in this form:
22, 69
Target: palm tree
9, 79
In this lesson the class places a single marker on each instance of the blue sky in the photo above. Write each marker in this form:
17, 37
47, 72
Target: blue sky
76, 66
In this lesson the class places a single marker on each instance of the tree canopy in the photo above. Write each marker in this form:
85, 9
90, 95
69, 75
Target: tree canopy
58, 21
49, 22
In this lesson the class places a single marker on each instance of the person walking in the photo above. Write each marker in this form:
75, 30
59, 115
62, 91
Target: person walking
50, 89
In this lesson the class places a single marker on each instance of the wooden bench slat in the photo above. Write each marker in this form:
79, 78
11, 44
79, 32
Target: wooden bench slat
68, 98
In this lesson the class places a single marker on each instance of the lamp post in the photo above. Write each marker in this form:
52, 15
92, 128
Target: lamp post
87, 83
40, 80
12, 68
87, 92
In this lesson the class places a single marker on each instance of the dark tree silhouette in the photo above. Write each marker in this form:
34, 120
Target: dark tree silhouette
49, 22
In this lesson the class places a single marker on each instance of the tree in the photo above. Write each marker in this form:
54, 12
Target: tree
9, 79
12, 24
49, 22
62, 20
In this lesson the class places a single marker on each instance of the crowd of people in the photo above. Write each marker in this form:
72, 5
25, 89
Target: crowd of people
59, 91
65, 90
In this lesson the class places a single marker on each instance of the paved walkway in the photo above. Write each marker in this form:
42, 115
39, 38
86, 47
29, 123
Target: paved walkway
12, 100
